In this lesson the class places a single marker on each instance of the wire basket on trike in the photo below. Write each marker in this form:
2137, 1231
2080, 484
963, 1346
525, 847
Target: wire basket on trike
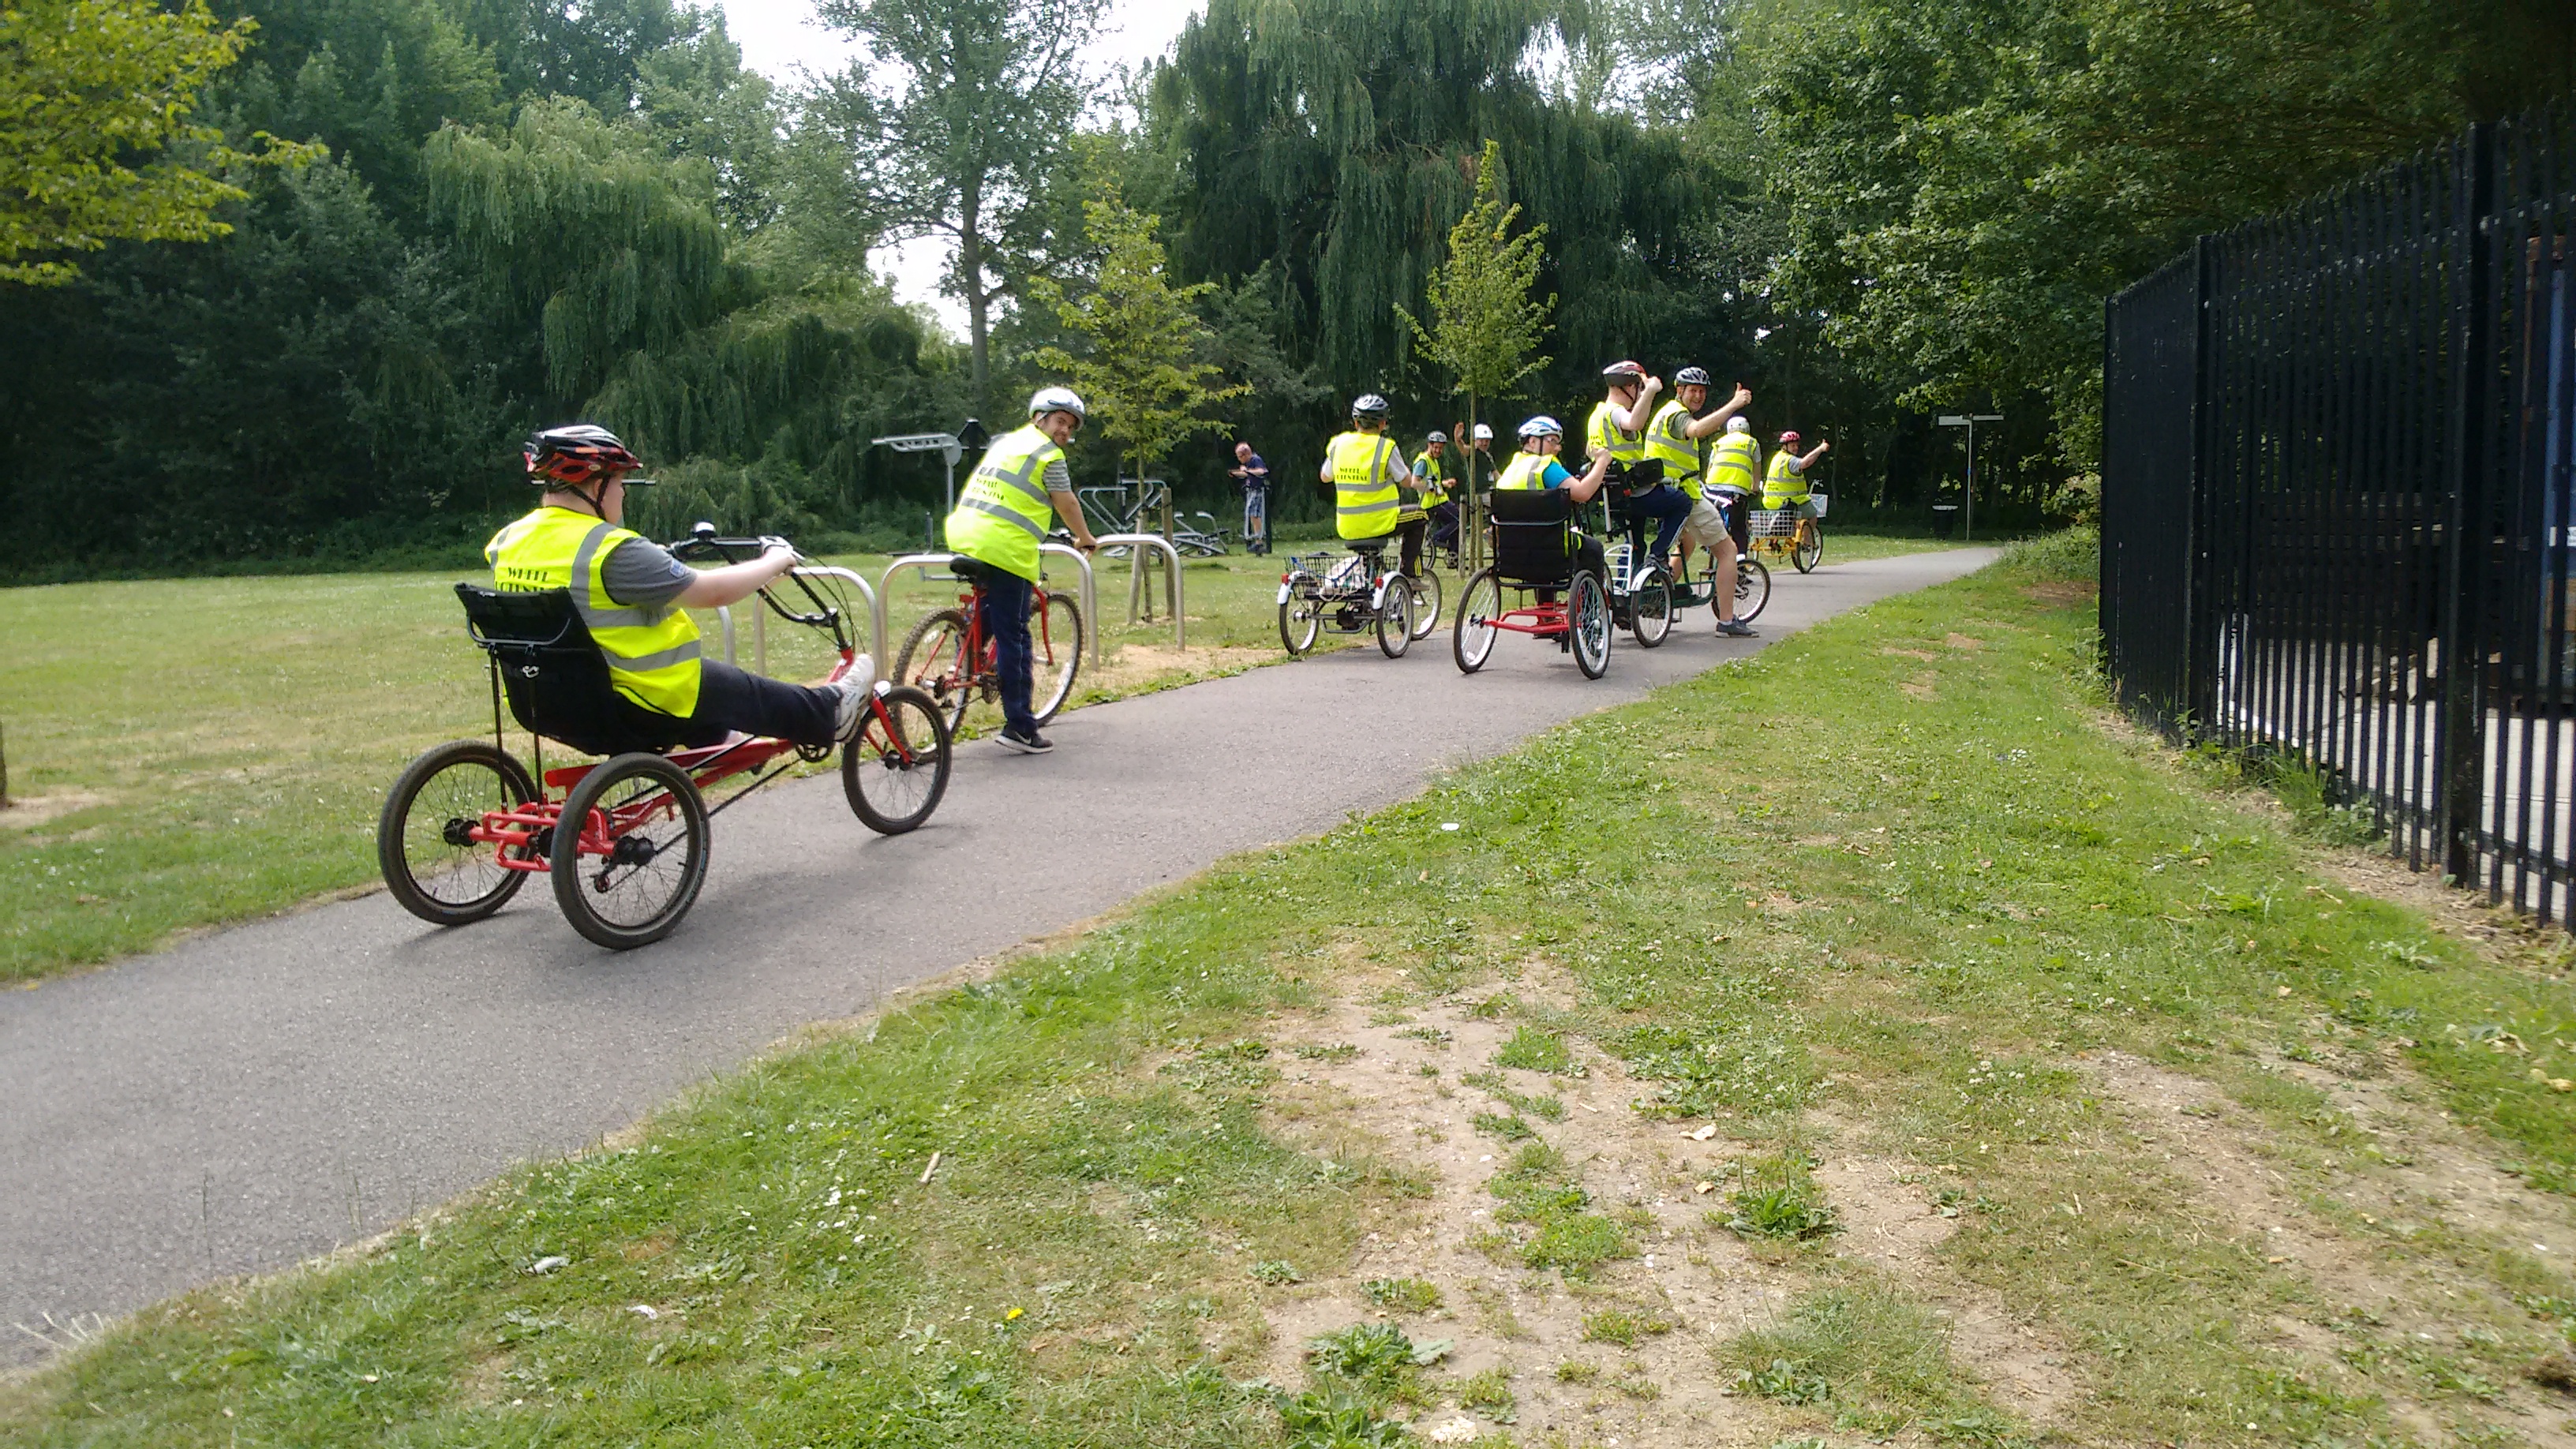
624, 839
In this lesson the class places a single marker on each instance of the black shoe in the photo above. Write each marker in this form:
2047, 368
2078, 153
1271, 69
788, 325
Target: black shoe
1736, 629
1032, 743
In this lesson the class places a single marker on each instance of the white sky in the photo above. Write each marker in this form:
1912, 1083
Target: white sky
780, 37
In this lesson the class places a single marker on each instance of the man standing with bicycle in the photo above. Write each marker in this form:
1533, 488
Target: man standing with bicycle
1253, 476
1000, 519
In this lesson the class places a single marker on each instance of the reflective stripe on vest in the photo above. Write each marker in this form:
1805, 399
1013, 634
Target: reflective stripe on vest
1608, 437
652, 653
1526, 470
1004, 510
1364, 496
1783, 483
1666, 441
1736, 461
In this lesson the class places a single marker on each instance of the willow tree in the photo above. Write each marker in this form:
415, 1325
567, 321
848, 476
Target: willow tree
1341, 138
1141, 369
607, 245
1485, 329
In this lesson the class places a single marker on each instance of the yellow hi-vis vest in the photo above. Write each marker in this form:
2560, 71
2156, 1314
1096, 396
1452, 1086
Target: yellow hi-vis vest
1363, 486
1525, 470
1783, 486
1736, 462
652, 653
1431, 477
1679, 451
1606, 436
1004, 512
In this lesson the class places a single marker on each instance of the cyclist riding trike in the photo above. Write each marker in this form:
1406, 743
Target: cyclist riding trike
1534, 552
1355, 593
624, 839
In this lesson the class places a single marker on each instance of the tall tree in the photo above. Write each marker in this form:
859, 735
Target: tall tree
89, 89
983, 95
1142, 368
1485, 327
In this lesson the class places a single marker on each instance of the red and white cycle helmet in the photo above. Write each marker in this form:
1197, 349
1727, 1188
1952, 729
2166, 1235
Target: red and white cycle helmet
576, 454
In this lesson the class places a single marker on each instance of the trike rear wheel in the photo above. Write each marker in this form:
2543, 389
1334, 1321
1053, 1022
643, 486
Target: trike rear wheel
1471, 638
1395, 617
1752, 589
1301, 618
934, 661
429, 866
1650, 607
645, 828
896, 768
1587, 613
1426, 601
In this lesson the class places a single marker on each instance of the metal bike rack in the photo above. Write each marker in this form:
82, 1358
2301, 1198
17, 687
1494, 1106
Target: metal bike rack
1136, 582
925, 561
760, 620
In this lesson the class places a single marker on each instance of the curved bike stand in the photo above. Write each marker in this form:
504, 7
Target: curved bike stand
925, 561
760, 620
1172, 560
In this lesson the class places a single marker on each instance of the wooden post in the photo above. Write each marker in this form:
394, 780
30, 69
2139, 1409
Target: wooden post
4, 767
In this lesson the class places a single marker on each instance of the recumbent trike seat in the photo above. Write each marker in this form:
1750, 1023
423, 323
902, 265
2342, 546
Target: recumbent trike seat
554, 675
1530, 543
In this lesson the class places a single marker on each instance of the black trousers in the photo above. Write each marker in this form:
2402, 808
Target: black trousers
732, 699
1588, 558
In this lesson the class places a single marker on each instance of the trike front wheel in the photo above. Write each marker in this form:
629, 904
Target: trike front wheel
896, 768
630, 851
1471, 637
430, 865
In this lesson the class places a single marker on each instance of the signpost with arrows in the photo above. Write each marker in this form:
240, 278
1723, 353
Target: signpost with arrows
949, 446
1970, 421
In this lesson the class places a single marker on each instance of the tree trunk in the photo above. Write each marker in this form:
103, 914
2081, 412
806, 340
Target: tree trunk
970, 275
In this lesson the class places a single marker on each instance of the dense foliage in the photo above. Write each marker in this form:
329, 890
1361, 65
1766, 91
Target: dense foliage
524, 211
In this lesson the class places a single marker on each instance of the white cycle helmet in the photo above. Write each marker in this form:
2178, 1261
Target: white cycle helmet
1058, 400
1737, 424
1542, 426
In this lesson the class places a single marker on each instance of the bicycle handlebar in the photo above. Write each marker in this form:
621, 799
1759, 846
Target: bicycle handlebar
703, 542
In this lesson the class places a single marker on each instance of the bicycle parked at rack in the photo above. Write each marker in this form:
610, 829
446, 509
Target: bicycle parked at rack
949, 658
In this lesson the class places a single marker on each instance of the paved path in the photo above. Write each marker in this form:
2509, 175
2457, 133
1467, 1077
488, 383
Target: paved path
265, 1093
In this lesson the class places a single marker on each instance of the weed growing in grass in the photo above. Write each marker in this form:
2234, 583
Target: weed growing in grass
1403, 1295
1865, 1345
1535, 1049
1551, 1109
1377, 1358
1489, 1392
1503, 1125
1277, 1272
1785, 1382
1340, 1051
1337, 1419
1578, 1371
1780, 1200
1541, 1196
1619, 1326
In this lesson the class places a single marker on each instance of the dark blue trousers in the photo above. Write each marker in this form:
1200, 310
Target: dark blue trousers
1006, 622
1665, 507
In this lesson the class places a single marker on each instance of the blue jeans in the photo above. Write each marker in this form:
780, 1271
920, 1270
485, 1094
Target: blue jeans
1005, 621
1665, 507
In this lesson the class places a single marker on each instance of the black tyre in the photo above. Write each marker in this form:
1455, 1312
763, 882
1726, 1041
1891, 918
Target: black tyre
657, 824
1650, 607
1809, 550
1471, 637
1300, 620
1395, 617
933, 660
1426, 603
429, 866
1752, 589
1587, 612
896, 768
1055, 654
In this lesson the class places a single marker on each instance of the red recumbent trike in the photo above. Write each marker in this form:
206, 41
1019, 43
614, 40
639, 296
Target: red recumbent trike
467, 824
1531, 552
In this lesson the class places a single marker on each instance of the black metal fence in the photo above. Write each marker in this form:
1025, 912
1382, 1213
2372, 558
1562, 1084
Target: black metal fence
2336, 500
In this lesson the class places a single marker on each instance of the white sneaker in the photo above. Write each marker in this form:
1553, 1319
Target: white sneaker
855, 685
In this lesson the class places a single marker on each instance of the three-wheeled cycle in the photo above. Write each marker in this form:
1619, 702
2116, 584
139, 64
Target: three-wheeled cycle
624, 839
1533, 553
1355, 593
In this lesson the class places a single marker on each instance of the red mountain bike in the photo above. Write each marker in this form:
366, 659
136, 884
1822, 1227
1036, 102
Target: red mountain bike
948, 657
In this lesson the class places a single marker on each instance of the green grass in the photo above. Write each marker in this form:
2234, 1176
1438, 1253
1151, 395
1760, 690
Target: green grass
1890, 947
207, 750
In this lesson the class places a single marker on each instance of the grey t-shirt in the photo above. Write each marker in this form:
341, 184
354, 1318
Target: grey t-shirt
641, 574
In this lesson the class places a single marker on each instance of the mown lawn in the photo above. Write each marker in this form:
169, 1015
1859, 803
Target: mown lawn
1949, 934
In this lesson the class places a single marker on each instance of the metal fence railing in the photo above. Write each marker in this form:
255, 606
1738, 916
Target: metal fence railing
2336, 499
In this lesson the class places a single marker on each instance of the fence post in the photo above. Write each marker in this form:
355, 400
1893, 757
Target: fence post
2200, 630
2467, 537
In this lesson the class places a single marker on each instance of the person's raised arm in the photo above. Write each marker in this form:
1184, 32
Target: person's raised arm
1809, 461
716, 588
1582, 489
1633, 419
1702, 427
